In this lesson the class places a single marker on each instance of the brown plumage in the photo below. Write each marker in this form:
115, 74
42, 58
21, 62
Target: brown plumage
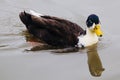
52, 30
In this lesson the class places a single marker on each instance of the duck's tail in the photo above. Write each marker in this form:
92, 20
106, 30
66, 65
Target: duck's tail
25, 18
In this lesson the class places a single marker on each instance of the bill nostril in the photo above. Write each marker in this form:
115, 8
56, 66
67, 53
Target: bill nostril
100, 35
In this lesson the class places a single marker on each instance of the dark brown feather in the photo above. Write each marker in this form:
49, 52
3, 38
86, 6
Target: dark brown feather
53, 30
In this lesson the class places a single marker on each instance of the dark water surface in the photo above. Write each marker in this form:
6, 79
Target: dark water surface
101, 60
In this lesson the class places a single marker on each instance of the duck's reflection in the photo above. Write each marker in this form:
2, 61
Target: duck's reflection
94, 62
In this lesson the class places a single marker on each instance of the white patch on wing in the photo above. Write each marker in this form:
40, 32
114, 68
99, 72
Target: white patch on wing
35, 13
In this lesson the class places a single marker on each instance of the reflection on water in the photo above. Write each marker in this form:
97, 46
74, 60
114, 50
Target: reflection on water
3, 45
94, 62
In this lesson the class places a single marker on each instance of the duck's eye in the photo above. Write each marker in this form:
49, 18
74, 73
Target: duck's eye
89, 23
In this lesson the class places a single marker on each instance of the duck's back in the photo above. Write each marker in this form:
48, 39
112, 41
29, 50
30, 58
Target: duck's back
53, 30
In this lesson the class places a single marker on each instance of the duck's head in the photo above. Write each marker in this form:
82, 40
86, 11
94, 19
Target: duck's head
93, 24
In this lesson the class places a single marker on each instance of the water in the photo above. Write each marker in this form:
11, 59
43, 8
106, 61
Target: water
18, 64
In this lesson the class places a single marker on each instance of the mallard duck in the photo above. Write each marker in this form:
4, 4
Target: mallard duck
60, 32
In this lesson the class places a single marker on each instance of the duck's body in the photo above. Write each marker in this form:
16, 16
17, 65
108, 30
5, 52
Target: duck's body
53, 30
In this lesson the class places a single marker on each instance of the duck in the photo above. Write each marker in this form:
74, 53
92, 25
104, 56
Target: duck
61, 32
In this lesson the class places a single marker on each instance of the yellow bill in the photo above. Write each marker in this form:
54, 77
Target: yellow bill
98, 31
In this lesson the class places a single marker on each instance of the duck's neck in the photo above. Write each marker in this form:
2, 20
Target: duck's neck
87, 39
